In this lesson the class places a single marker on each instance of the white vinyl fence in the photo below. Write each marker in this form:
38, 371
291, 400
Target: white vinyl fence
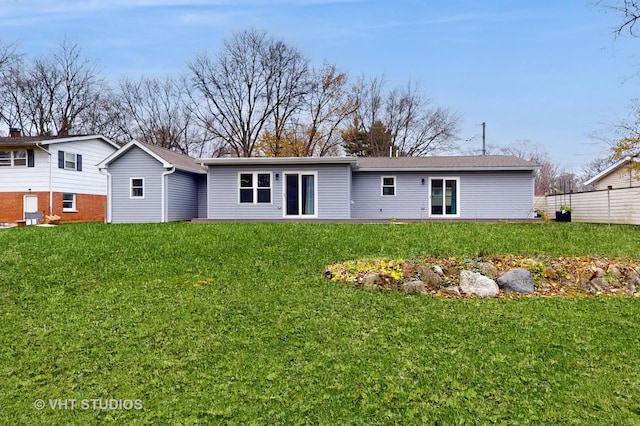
606, 206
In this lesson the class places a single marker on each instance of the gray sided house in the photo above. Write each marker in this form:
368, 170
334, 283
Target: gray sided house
147, 183
427, 188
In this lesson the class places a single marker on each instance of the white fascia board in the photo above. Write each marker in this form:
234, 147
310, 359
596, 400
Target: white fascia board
445, 169
78, 139
607, 171
253, 161
110, 159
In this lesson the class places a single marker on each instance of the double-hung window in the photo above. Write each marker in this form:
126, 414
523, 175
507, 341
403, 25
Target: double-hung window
254, 188
137, 187
69, 161
388, 185
68, 202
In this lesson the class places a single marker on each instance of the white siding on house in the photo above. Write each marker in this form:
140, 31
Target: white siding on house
20, 179
622, 178
333, 191
136, 163
483, 195
87, 181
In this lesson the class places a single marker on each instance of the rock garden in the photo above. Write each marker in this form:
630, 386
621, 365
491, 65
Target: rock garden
493, 276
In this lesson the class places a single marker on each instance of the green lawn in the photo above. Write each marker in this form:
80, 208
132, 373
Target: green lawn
235, 324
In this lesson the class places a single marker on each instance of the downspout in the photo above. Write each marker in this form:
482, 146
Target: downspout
50, 178
107, 217
163, 194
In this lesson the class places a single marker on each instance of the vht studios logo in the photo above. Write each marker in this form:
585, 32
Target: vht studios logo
88, 404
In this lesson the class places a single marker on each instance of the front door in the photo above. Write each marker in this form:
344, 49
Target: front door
300, 194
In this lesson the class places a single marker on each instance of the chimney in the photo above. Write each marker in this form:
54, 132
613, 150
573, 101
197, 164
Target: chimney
15, 132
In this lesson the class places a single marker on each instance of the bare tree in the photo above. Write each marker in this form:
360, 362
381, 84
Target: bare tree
315, 128
154, 111
629, 10
402, 119
546, 179
49, 95
252, 83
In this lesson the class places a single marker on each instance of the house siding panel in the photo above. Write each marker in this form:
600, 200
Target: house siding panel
139, 164
182, 193
87, 181
483, 195
21, 179
333, 192
202, 195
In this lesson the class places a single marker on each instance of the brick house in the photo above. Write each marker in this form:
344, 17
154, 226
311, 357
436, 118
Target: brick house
53, 175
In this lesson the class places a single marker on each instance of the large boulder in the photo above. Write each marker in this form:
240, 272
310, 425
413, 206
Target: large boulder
477, 284
517, 280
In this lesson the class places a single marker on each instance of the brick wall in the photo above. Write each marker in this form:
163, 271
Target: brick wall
90, 208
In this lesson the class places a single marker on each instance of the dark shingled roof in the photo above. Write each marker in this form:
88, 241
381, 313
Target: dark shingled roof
28, 140
463, 162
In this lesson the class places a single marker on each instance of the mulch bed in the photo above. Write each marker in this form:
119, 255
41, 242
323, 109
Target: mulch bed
560, 276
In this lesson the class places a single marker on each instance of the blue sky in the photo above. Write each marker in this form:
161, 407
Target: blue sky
545, 71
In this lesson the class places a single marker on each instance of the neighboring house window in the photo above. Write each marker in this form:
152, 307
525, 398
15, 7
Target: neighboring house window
254, 188
68, 202
16, 158
137, 187
69, 161
388, 185
445, 196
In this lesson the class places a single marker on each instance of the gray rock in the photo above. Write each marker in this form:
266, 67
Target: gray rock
372, 280
415, 286
477, 284
600, 284
488, 270
438, 270
614, 271
429, 276
598, 273
517, 280
453, 290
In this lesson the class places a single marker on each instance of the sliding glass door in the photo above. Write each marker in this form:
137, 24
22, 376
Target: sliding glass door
444, 196
300, 195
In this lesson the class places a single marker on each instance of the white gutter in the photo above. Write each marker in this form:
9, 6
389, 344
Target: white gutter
163, 200
50, 178
107, 218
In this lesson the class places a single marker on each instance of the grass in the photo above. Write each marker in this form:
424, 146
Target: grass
234, 324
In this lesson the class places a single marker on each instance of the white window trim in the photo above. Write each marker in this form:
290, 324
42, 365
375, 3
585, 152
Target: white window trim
73, 208
382, 186
135, 197
444, 179
254, 187
13, 158
315, 194
75, 161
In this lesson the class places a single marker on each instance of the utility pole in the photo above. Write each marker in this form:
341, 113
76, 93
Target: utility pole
484, 138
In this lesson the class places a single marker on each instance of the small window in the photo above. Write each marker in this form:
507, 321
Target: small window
254, 188
68, 202
5, 158
19, 158
137, 187
69, 161
388, 185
